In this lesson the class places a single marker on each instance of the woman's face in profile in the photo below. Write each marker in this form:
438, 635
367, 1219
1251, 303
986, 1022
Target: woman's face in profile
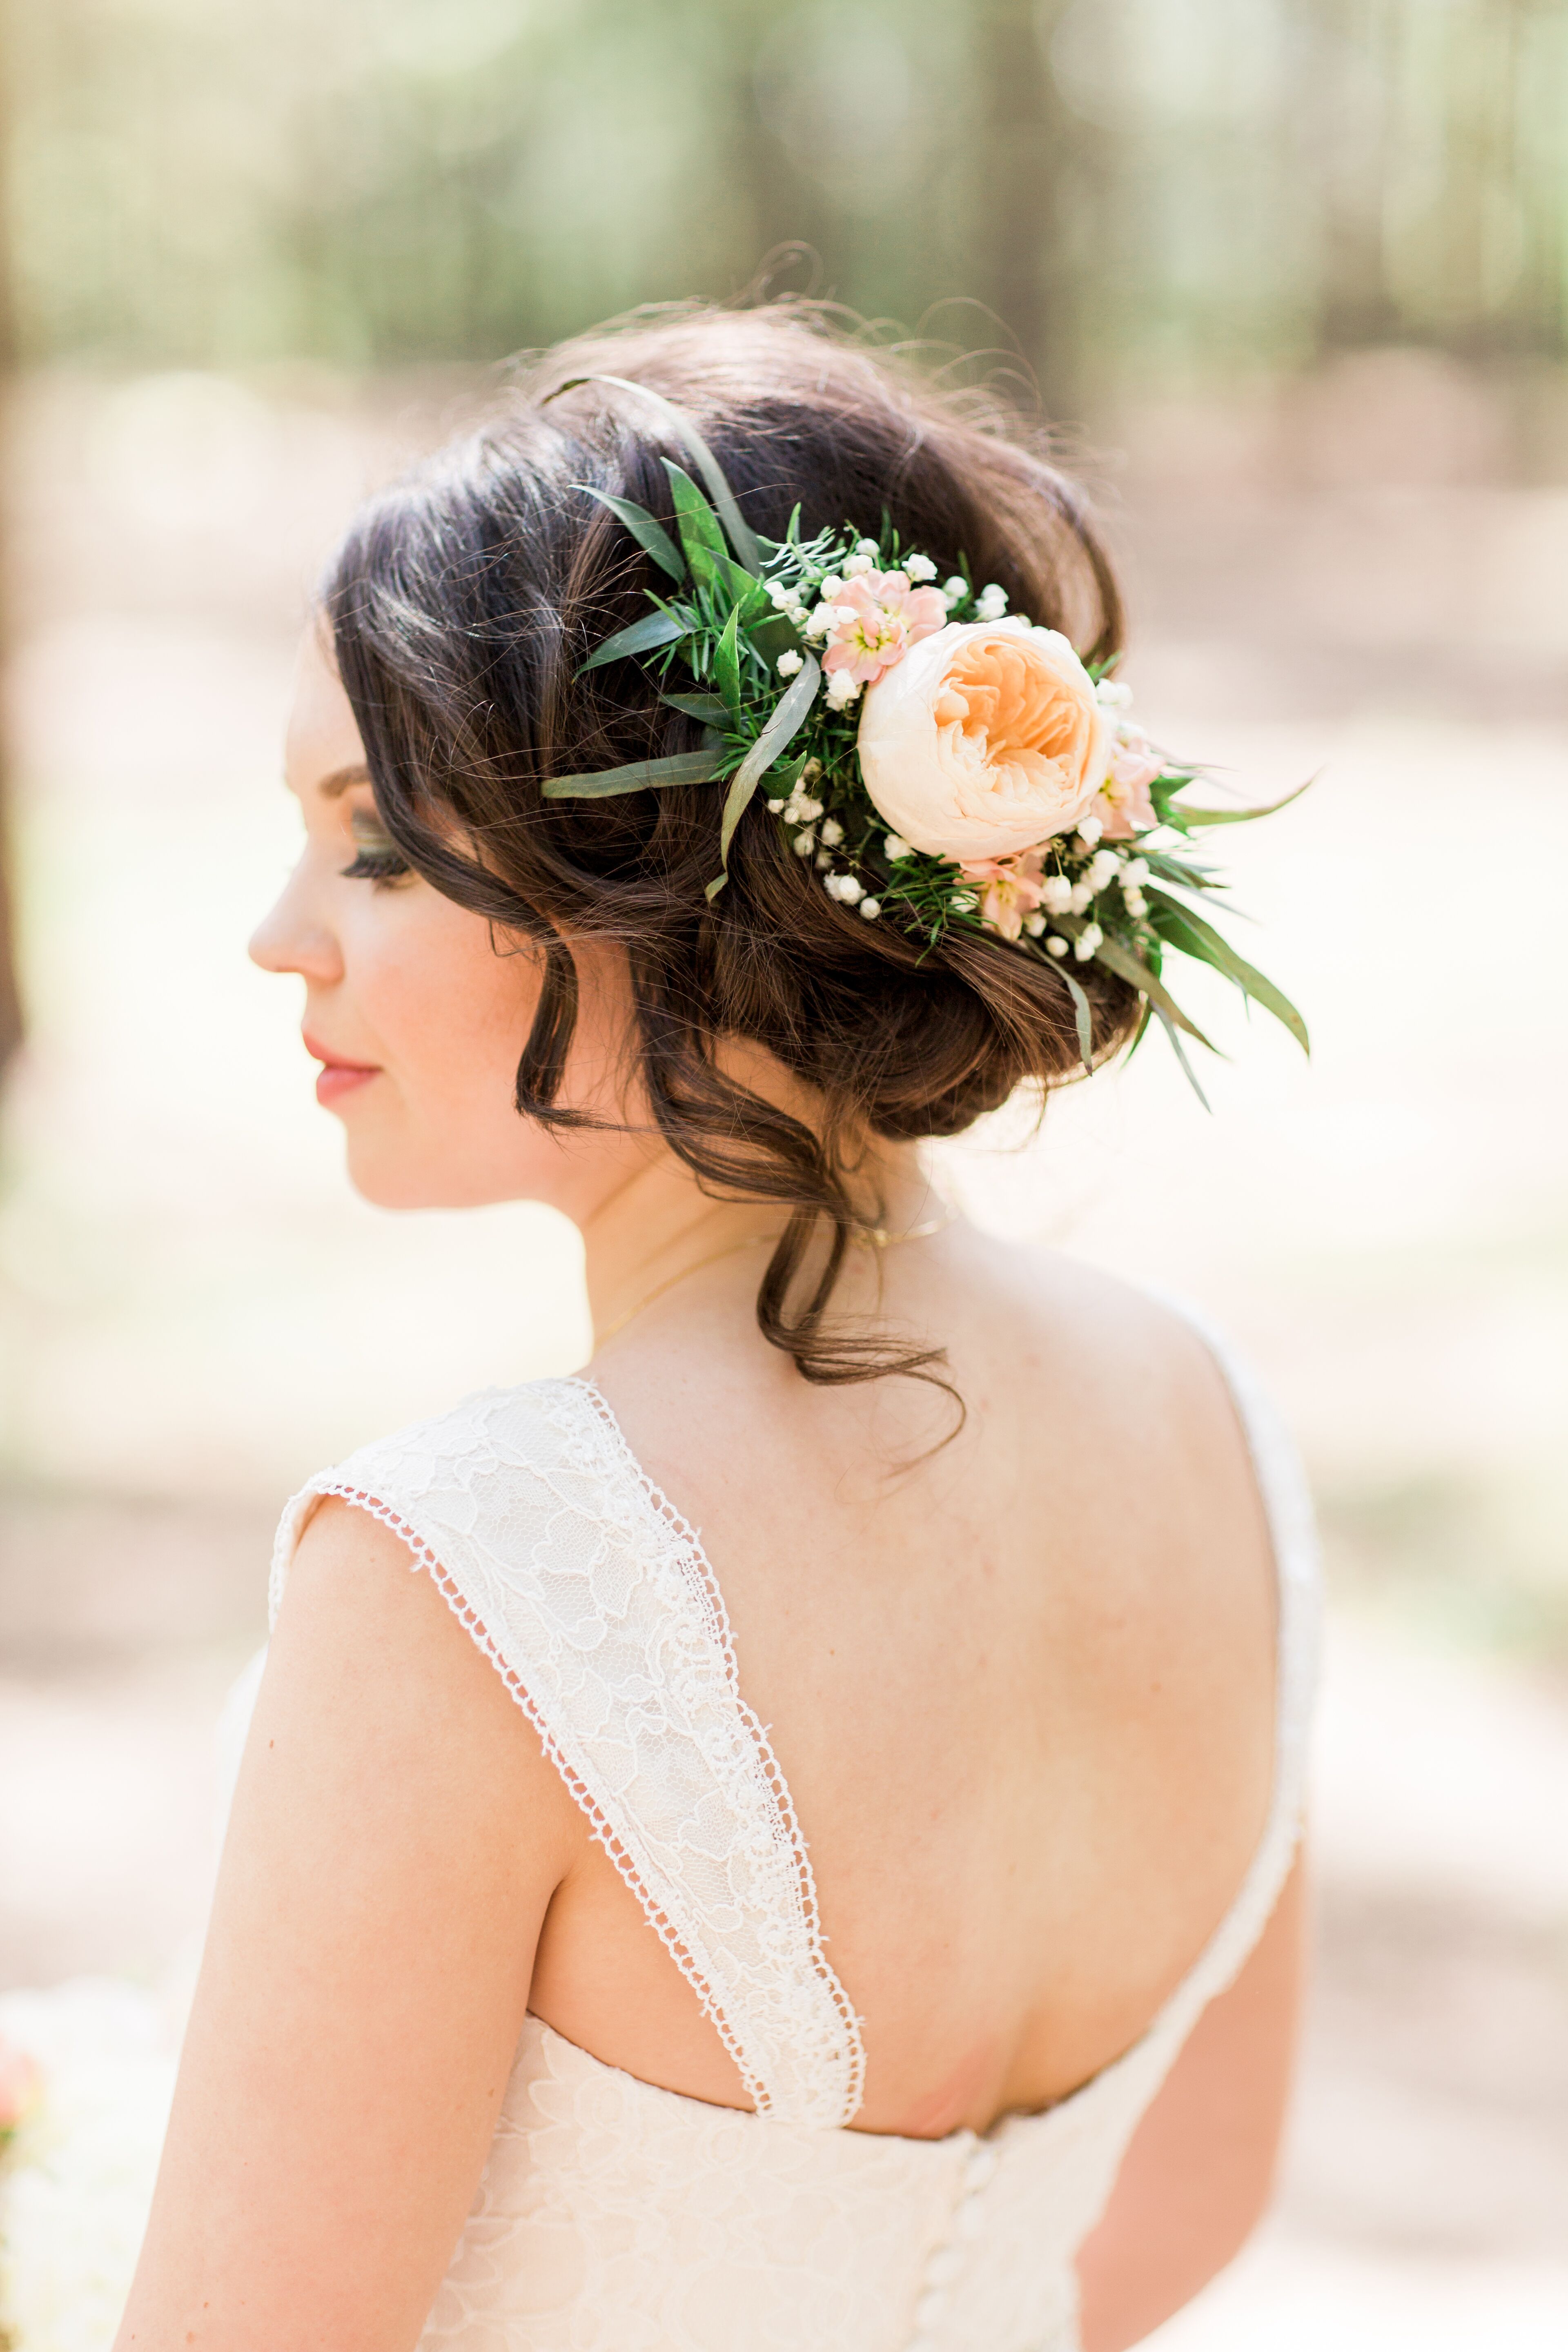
416, 1019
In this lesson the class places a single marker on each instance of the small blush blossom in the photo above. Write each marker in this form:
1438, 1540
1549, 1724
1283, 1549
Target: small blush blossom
880, 616
1124, 807
1078, 898
1088, 832
856, 566
831, 590
1009, 890
1055, 893
843, 688
991, 603
819, 620
1034, 924
920, 567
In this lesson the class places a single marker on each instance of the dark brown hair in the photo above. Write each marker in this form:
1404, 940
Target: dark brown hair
460, 606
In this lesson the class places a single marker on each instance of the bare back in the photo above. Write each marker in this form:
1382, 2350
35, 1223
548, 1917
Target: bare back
1022, 1691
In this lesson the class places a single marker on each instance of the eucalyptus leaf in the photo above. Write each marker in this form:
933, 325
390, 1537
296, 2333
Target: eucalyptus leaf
1188, 932
649, 535
641, 775
784, 721
1085, 1017
644, 636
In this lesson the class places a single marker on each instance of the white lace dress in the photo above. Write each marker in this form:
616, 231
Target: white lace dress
616, 2217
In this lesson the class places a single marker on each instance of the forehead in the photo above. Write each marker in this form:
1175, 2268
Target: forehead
322, 737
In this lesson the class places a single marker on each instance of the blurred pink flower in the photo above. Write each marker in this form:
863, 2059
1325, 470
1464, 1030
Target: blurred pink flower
887, 617
20, 2083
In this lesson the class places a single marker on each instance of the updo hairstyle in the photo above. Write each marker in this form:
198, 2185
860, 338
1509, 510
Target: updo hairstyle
460, 606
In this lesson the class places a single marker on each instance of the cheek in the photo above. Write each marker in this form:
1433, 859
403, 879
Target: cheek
448, 1018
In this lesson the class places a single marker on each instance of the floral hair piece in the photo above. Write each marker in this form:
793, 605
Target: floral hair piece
941, 764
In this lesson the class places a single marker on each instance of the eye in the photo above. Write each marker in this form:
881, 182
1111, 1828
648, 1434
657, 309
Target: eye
377, 857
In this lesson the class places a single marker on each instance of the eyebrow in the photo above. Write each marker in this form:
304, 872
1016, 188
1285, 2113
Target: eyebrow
332, 787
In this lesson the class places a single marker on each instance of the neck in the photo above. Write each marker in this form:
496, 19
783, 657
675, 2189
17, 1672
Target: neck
657, 1226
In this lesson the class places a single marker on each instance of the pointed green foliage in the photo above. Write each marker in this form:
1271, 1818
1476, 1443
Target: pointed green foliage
708, 710
651, 536
694, 518
1122, 961
1192, 817
655, 629
1085, 1018
727, 664
1189, 932
679, 768
1180, 1051
782, 723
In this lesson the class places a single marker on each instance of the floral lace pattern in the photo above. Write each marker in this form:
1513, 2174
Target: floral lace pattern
594, 1599
614, 2216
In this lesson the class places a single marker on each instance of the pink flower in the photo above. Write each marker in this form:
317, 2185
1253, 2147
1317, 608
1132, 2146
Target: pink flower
1122, 805
1009, 890
881, 617
20, 2083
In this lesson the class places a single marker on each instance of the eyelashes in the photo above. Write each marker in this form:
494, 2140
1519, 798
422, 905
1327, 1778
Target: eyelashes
374, 859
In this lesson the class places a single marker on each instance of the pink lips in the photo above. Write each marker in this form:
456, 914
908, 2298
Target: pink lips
338, 1078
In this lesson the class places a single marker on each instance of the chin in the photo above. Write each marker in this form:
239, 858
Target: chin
392, 1179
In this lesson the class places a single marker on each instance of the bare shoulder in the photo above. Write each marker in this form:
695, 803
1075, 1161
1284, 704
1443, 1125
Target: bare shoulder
371, 1673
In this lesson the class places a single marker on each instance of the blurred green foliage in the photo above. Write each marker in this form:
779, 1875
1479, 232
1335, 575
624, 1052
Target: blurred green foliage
1175, 189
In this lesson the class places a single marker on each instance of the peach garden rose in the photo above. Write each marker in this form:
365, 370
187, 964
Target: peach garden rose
984, 740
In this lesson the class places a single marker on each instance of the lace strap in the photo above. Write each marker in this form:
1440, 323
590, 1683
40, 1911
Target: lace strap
593, 1599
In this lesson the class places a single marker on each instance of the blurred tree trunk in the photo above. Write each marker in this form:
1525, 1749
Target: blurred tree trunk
1023, 219
10, 998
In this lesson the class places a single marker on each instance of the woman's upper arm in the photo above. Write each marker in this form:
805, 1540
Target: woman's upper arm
1198, 2170
397, 1836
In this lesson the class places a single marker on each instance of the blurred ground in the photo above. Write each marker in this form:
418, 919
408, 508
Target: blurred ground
194, 1314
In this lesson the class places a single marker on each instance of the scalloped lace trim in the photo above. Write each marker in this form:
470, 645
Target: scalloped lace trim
705, 1584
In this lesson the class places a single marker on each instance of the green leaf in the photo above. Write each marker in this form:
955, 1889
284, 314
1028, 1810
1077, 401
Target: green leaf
679, 768
741, 537
1193, 816
694, 518
1180, 1052
784, 723
1122, 961
1085, 1017
649, 535
727, 663
774, 637
654, 629
707, 709
1189, 932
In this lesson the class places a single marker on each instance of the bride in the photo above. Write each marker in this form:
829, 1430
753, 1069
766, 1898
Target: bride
787, 1841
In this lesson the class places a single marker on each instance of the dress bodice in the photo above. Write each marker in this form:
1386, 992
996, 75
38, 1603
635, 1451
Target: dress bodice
614, 2216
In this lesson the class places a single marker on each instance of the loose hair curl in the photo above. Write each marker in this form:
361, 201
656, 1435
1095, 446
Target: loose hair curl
460, 606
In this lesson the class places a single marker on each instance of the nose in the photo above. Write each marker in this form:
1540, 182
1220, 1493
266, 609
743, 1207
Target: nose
293, 937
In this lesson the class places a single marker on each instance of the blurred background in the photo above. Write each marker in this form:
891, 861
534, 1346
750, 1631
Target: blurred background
1292, 278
